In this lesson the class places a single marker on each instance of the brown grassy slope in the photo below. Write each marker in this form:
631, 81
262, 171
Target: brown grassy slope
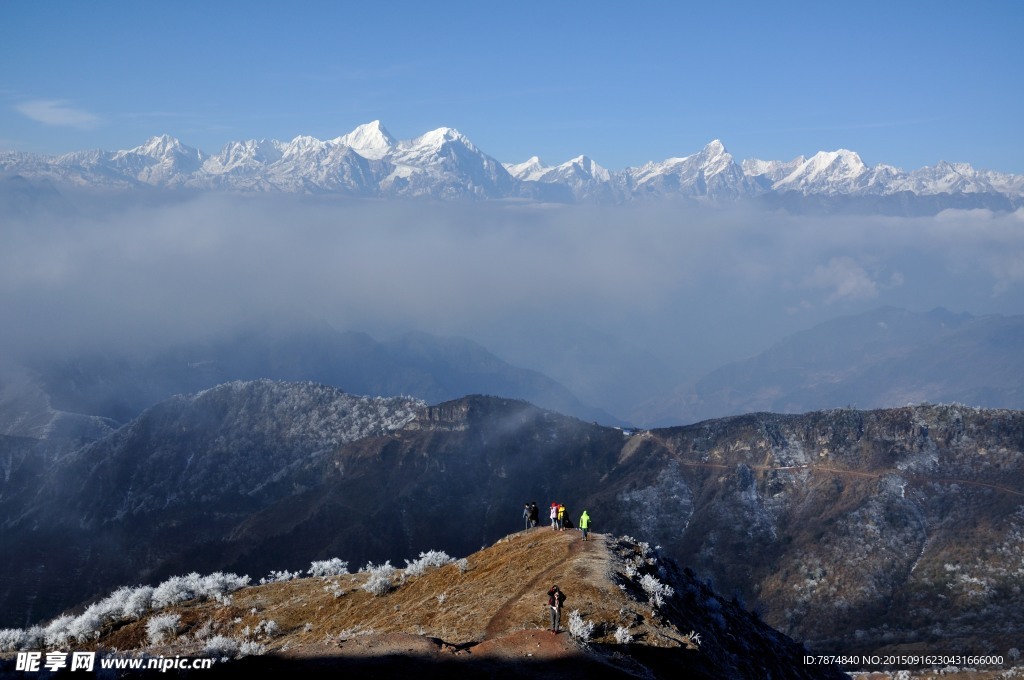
490, 619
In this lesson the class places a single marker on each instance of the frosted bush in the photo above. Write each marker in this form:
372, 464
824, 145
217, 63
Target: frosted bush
221, 645
623, 636
427, 560
162, 627
33, 638
251, 648
380, 580
331, 567
133, 602
125, 603
280, 576
267, 628
655, 589
463, 565
56, 633
193, 586
12, 639
86, 626
578, 628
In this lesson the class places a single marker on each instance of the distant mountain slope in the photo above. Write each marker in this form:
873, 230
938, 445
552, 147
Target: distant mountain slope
445, 164
883, 358
300, 348
854, 515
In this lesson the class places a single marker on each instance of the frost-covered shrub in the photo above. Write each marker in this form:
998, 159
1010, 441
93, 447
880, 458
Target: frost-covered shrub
162, 627
331, 567
463, 565
132, 603
56, 633
655, 589
221, 645
623, 636
334, 589
193, 586
280, 576
12, 639
267, 628
251, 648
86, 626
380, 580
427, 560
34, 638
578, 628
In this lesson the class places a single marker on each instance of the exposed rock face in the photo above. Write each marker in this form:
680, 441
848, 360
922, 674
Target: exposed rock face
857, 531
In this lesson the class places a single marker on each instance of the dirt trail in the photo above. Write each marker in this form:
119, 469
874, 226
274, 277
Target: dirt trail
503, 620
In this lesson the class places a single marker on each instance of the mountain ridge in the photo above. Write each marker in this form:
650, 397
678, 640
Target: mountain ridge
853, 513
445, 164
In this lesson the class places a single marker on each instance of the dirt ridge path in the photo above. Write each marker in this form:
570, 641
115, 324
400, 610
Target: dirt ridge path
501, 621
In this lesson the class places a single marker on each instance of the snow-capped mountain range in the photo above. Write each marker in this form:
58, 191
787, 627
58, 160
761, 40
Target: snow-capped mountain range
443, 163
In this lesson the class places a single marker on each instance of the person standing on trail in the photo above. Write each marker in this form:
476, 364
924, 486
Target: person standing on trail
555, 599
585, 524
560, 517
534, 514
526, 515
554, 516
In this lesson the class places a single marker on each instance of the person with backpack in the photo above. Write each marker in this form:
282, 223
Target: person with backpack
554, 516
585, 524
555, 600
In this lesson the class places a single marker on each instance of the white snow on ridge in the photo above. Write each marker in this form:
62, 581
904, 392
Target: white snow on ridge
444, 163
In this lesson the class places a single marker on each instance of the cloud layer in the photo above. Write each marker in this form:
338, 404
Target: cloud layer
58, 112
696, 287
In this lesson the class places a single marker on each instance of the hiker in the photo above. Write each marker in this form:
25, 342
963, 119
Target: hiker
560, 517
554, 516
585, 524
534, 514
555, 599
526, 515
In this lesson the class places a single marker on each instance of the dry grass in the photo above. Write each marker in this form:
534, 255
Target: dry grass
504, 590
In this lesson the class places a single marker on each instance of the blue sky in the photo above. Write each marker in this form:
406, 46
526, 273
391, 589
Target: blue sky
906, 83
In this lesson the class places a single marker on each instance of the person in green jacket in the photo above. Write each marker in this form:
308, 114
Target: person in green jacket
585, 524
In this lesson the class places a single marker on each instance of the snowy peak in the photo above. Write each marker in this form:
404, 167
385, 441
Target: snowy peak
530, 170
434, 140
162, 146
369, 140
826, 172
444, 163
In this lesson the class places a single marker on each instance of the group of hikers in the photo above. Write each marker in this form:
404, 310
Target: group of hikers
559, 518
559, 522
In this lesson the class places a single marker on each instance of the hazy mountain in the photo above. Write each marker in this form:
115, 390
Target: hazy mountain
874, 530
295, 347
445, 164
883, 358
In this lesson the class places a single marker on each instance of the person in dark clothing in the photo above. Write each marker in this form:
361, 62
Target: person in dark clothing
555, 599
534, 514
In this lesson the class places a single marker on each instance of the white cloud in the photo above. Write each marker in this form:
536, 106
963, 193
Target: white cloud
58, 112
845, 278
